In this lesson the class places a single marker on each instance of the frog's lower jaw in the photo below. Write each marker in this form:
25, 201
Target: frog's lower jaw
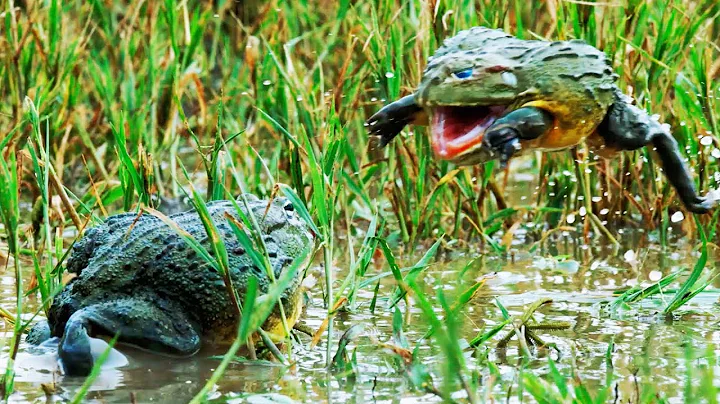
274, 326
457, 131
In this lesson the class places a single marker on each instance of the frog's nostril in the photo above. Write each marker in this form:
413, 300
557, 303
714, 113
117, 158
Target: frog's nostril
289, 207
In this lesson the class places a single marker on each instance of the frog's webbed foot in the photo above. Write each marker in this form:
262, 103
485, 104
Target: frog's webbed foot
387, 123
503, 136
701, 204
504, 141
156, 327
629, 128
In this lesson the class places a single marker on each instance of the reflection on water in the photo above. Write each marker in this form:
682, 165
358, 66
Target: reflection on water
579, 291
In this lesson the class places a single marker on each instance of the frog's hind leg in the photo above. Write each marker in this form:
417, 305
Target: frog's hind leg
392, 118
157, 327
627, 127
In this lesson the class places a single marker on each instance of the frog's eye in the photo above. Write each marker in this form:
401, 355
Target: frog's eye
463, 74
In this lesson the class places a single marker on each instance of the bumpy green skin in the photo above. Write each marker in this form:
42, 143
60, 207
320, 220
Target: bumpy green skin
568, 72
556, 94
150, 285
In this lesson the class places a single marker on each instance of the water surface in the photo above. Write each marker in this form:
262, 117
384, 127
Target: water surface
581, 279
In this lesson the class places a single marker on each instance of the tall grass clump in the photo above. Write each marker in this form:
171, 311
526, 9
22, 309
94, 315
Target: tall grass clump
10, 211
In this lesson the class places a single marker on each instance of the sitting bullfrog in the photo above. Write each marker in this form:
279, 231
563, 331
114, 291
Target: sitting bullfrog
138, 277
489, 95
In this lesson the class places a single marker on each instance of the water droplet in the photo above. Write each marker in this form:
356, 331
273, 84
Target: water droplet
373, 99
570, 218
389, 75
655, 276
706, 140
677, 217
629, 255
582, 211
267, 82
299, 98
596, 199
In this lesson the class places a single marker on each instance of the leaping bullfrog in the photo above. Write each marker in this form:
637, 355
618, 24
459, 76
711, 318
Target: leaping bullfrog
140, 278
489, 95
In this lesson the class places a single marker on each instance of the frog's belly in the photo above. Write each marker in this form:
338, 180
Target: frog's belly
570, 127
557, 139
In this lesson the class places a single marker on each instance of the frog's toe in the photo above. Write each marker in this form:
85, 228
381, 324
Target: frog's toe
39, 333
390, 120
499, 138
508, 150
385, 130
386, 126
702, 205
504, 141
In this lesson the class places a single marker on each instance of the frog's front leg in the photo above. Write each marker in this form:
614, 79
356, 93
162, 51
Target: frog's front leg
504, 135
627, 127
392, 118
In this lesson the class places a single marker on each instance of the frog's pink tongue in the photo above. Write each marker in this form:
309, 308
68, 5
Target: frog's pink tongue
457, 129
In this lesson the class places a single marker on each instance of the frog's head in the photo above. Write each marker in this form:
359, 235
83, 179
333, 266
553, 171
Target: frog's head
280, 221
463, 93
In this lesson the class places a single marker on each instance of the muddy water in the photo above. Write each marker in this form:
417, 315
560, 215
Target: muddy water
581, 283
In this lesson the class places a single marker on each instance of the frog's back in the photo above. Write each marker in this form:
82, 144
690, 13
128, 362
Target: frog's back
482, 39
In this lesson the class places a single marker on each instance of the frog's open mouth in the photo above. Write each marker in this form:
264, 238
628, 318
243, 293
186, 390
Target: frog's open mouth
455, 130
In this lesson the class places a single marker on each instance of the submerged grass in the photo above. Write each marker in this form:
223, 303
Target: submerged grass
108, 107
